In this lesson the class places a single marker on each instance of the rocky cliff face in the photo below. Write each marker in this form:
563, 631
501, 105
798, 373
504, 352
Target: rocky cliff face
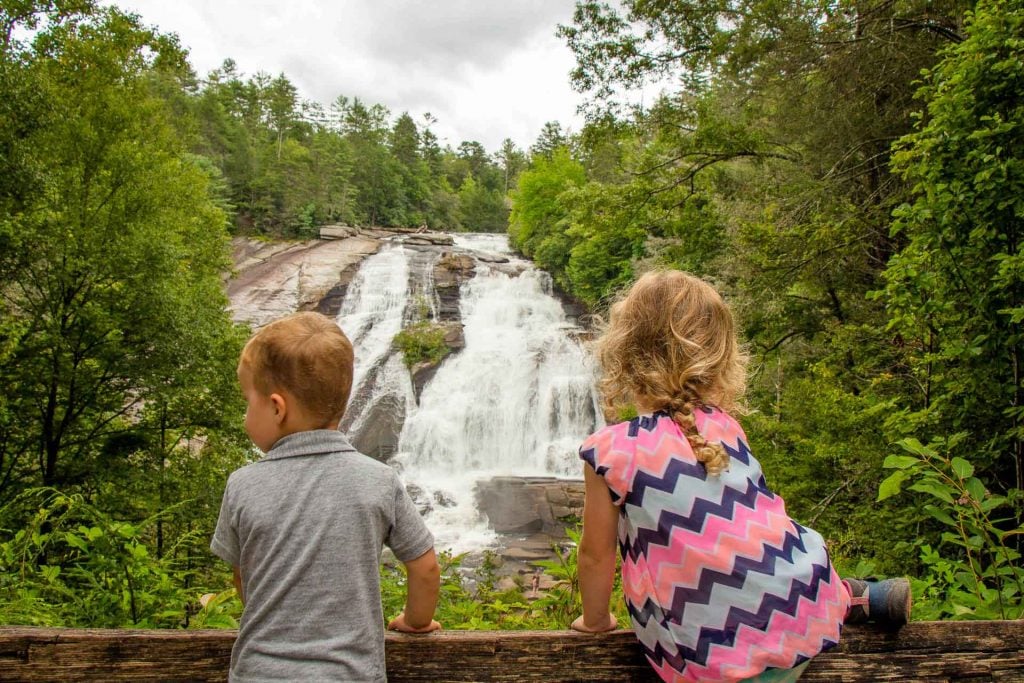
272, 280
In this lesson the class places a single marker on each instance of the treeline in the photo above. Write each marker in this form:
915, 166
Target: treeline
851, 174
290, 165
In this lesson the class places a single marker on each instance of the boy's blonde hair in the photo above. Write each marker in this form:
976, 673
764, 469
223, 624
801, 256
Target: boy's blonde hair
670, 344
307, 355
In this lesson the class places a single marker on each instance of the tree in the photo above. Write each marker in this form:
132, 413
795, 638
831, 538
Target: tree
282, 98
480, 209
414, 171
376, 177
539, 220
956, 291
114, 293
550, 139
765, 166
512, 161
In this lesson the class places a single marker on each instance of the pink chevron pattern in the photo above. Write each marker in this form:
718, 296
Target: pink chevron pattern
721, 584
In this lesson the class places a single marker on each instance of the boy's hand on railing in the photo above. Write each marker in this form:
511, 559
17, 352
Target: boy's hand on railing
610, 623
399, 624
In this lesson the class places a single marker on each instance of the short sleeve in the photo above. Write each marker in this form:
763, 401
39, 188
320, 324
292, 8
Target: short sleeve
225, 543
612, 458
408, 536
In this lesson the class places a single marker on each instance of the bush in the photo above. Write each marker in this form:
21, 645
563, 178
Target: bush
422, 342
69, 564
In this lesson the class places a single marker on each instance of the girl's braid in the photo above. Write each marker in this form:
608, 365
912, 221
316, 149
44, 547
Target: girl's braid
712, 455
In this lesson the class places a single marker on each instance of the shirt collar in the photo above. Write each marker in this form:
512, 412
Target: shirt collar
312, 442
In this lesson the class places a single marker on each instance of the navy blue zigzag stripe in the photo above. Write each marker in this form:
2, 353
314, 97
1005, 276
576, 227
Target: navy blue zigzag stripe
669, 520
736, 616
650, 422
701, 593
741, 453
658, 655
676, 468
589, 455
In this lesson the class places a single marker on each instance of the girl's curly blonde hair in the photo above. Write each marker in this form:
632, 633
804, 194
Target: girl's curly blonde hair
670, 344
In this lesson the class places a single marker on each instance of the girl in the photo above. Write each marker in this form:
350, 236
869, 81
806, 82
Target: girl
720, 584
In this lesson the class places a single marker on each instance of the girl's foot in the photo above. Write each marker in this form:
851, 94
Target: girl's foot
884, 602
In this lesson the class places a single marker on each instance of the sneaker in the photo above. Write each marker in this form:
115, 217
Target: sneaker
886, 603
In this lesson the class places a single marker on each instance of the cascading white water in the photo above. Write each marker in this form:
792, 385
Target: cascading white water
371, 314
494, 243
517, 400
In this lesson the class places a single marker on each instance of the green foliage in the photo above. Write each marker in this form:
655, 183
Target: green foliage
292, 166
563, 602
956, 292
822, 451
979, 576
469, 599
422, 342
219, 610
116, 350
464, 603
768, 171
116, 302
539, 217
73, 565
481, 209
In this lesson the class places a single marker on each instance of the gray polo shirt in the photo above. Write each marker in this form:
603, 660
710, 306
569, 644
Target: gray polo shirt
306, 525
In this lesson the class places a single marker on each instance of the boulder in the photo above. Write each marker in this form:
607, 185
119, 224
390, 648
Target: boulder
330, 303
382, 426
457, 263
510, 506
444, 499
525, 505
337, 232
423, 372
430, 238
419, 498
491, 258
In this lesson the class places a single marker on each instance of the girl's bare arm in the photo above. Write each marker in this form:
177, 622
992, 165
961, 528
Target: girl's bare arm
597, 555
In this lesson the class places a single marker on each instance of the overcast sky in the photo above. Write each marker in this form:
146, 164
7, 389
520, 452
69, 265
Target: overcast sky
486, 69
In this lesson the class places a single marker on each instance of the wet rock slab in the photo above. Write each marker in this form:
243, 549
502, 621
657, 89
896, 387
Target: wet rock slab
276, 279
529, 505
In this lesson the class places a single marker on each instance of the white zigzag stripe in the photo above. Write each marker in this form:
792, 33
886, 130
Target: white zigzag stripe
685, 494
749, 597
652, 634
655, 501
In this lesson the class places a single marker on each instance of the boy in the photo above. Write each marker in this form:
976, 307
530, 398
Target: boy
304, 527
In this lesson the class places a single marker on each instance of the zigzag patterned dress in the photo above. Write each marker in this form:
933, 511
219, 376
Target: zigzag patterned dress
719, 582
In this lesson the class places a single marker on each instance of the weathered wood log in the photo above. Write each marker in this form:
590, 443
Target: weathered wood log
922, 651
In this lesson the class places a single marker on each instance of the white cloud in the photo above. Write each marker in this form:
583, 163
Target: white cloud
487, 69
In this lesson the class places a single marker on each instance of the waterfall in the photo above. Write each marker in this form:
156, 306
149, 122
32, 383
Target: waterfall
517, 400
371, 314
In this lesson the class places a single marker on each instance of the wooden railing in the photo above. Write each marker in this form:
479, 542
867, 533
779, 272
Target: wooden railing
923, 651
